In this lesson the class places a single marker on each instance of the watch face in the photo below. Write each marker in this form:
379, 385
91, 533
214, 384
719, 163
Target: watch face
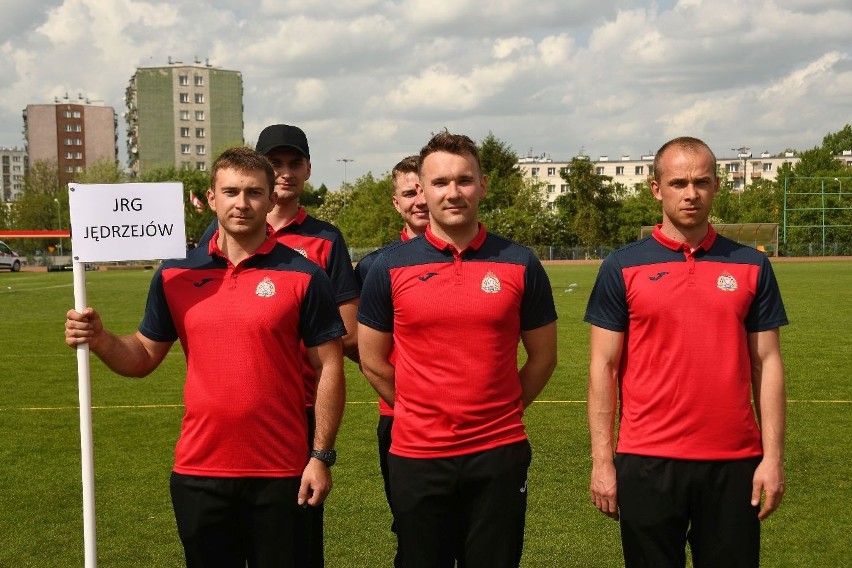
327, 456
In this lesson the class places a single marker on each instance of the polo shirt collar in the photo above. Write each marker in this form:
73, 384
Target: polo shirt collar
667, 242
300, 217
265, 247
443, 245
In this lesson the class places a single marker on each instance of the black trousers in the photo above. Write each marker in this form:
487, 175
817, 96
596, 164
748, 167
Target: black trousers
236, 522
471, 507
665, 503
383, 436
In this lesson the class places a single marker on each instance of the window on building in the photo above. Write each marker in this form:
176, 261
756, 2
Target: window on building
551, 189
184, 149
200, 149
534, 172
76, 114
184, 97
67, 114
199, 133
69, 155
201, 166
199, 80
551, 171
183, 80
78, 155
184, 131
767, 166
78, 169
733, 167
564, 170
69, 142
184, 115
199, 115
599, 170
15, 158
619, 170
563, 188
69, 169
78, 142
199, 98
639, 170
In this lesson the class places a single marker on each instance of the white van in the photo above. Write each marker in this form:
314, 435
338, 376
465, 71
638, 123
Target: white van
9, 259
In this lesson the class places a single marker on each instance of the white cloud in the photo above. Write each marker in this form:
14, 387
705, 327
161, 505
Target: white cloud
370, 80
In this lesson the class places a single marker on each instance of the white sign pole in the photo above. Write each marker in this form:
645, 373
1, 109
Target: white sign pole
86, 440
114, 222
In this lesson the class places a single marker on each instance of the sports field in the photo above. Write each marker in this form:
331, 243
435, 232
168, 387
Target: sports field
136, 422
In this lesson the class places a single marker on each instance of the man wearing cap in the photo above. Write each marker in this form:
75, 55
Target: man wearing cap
286, 147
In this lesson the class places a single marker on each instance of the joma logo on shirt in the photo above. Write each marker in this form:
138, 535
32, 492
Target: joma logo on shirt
202, 282
427, 276
657, 276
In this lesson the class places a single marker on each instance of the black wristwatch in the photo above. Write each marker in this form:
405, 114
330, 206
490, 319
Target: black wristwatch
328, 457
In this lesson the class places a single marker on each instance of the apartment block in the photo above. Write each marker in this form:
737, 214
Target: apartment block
741, 170
14, 163
182, 115
71, 133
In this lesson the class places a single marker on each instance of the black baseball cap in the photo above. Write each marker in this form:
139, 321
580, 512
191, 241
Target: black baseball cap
283, 135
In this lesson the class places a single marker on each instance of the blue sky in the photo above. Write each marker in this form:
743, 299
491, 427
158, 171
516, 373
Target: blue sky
370, 80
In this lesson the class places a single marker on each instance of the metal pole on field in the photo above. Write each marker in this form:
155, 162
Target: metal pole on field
86, 442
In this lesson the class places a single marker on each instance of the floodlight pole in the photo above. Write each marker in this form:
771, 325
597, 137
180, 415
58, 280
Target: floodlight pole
345, 161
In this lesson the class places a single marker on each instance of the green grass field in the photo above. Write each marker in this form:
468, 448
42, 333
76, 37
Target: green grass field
136, 423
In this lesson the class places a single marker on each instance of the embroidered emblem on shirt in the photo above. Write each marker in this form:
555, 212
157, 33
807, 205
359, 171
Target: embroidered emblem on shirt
490, 284
266, 288
726, 282
427, 276
301, 251
657, 277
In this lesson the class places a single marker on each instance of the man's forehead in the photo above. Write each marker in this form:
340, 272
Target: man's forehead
431, 161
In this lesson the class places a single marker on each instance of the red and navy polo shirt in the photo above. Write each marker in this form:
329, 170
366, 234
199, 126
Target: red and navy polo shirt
323, 244
456, 319
685, 373
240, 328
361, 270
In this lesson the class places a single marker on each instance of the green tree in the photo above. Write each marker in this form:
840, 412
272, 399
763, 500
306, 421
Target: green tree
364, 212
42, 206
103, 171
194, 182
591, 207
816, 162
505, 181
526, 219
311, 199
638, 209
836, 142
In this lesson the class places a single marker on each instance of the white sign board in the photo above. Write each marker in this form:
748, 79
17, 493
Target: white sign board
127, 221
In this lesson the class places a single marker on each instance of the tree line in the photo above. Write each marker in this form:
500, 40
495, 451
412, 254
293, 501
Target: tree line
595, 211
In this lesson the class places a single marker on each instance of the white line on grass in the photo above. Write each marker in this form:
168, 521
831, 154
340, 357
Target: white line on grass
352, 402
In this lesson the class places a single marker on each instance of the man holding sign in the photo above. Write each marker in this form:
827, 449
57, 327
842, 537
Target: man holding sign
239, 307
